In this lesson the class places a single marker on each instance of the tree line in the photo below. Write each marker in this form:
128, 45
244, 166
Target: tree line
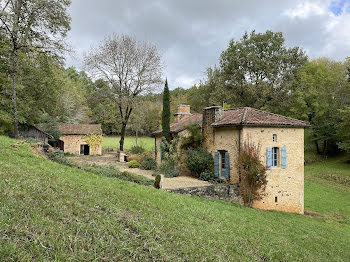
119, 87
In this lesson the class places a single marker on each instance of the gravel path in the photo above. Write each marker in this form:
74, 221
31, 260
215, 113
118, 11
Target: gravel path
110, 160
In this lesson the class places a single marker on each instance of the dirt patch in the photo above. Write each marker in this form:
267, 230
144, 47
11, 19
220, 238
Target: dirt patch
110, 159
313, 214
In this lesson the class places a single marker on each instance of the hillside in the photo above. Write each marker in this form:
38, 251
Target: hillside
53, 212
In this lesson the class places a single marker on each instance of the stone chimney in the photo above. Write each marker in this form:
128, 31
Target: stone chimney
183, 111
210, 115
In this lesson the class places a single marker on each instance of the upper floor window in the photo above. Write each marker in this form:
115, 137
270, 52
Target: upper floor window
274, 157
274, 138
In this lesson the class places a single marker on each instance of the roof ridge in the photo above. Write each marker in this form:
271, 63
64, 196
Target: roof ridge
278, 115
244, 115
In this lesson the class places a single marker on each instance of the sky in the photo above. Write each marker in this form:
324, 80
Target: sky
191, 34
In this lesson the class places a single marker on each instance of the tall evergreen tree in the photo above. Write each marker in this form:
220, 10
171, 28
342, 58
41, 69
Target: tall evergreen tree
166, 112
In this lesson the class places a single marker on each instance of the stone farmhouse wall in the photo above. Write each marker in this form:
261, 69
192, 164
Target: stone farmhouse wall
285, 186
72, 145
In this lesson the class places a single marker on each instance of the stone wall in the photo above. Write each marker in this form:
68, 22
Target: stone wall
72, 145
220, 191
285, 187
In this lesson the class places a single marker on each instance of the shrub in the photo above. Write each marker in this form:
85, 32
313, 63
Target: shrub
148, 164
207, 176
133, 164
198, 161
108, 171
137, 149
174, 173
57, 155
252, 173
146, 156
134, 157
125, 175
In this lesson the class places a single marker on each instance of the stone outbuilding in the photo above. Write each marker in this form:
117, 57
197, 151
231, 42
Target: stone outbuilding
73, 139
33, 132
281, 142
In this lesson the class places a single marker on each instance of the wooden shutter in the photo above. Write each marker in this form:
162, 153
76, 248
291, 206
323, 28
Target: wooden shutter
227, 166
216, 164
269, 157
284, 157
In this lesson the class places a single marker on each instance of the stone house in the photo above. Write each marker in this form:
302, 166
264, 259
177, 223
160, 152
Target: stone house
73, 139
281, 140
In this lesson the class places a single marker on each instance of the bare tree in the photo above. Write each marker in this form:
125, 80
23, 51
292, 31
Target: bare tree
32, 26
131, 68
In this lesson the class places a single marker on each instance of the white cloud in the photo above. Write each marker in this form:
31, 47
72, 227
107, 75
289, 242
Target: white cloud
192, 34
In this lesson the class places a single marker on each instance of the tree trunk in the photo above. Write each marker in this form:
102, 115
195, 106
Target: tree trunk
136, 137
317, 148
122, 137
325, 149
14, 92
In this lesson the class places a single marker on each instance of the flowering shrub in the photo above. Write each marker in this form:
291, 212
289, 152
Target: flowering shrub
252, 174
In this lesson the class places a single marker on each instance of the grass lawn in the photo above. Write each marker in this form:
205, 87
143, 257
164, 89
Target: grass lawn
113, 142
53, 212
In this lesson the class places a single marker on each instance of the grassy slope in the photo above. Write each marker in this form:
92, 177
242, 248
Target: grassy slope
49, 211
113, 142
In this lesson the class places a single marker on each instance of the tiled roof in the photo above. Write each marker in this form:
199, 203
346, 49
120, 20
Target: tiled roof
179, 126
248, 116
79, 129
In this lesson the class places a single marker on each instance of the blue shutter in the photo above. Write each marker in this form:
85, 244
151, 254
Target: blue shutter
269, 157
216, 164
284, 157
227, 166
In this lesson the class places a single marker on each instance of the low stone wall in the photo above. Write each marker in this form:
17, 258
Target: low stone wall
220, 191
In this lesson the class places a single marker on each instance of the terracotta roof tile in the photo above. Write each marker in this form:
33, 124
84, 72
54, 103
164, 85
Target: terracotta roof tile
79, 129
248, 116
179, 126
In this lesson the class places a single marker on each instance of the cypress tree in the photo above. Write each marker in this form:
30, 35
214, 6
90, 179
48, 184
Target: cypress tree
166, 112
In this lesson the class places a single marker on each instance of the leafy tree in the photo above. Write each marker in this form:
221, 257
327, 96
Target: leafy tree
258, 71
166, 113
320, 90
131, 68
344, 129
31, 26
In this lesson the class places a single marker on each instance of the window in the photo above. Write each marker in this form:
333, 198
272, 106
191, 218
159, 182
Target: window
274, 138
223, 159
274, 157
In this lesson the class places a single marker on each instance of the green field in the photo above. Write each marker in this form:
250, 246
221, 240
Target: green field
54, 212
113, 142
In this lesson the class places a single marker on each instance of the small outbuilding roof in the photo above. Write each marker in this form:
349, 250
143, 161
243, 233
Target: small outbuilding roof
80, 129
247, 116
181, 125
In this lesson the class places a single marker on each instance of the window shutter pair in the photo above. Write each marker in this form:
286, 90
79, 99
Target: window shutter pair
283, 157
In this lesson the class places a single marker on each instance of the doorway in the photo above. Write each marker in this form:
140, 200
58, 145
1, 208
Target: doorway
84, 150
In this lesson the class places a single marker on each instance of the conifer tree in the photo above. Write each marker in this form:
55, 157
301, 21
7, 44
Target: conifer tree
166, 112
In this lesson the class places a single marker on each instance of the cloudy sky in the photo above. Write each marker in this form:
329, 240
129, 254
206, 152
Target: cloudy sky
191, 34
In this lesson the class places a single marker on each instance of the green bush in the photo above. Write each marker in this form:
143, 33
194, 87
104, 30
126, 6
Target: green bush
207, 176
148, 164
137, 149
125, 175
133, 164
198, 161
174, 173
108, 171
57, 155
